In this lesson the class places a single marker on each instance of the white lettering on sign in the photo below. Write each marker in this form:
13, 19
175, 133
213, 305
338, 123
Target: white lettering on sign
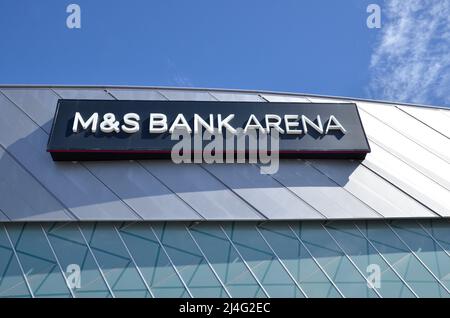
291, 122
334, 124
92, 121
158, 123
180, 123
221, 123
130, 123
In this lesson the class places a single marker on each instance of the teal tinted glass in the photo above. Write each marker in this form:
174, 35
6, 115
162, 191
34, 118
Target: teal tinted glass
81, 270
12, 281
439, 230
427, 250
228, 264
302, 266
402, 259
262, 260
39, 264
367, 259
347, 277
114, 260
153, 263
197, 273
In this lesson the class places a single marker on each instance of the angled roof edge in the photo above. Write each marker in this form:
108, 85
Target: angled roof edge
229, 90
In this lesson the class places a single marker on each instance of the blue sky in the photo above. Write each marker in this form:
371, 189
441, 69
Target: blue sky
309, 46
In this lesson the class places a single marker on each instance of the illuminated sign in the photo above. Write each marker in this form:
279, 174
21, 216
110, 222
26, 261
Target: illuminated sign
107, 130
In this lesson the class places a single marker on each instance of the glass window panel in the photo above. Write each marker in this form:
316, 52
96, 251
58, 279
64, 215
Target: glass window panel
426, 249
12, 282
401, 258
338, 267
153, 263
439, 229
262, 261
298, 261
71, 249
38, 262
114, 260
189, 261
226, 261
364, 255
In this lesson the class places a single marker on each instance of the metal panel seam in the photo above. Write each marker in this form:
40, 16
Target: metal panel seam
57, 260
281, 263
412, 140
418, 258
235, 193
66, 209
350, 193
404, 191
207, 261
316, 261
418, 119
386, 261
244, 261
349, 258
408, 164
134, 262
433, 238
159, 180
171, 262
96, 262
18, 262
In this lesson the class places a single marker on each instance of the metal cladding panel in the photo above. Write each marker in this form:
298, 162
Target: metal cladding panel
142, 192
420, 187
285, 98
431, 117
444, 112
85, 93
136, 94
406, 176
410, 128
187, 95
324, 100
202, 194
236, 97
3, 217
129, 181
24, 198
39, 104
80, 192
202, 191
263, 192
322, 193
406, 150
373, 189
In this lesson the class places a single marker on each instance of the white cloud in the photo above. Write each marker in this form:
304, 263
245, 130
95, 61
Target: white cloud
411, 60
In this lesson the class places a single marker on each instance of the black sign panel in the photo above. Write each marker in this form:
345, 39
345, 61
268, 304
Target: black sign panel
110, 129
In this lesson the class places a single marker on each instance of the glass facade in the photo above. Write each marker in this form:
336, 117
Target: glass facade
401, 258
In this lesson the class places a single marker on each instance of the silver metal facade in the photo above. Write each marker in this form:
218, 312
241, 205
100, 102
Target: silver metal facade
407, 175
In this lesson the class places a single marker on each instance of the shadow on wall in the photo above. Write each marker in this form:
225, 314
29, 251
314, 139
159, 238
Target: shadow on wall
34, 187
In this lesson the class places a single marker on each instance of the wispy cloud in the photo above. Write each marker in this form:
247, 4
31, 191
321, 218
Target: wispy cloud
411, 60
